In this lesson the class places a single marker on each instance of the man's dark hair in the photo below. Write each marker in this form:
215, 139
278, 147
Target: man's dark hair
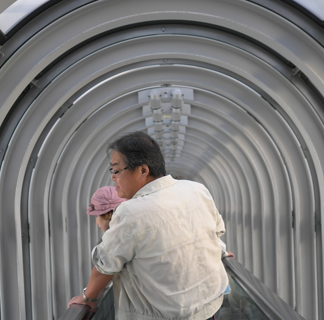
139, 148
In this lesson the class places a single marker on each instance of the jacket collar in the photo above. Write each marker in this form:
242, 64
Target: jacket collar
155, 185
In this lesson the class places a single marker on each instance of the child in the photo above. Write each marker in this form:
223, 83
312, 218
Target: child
103, 203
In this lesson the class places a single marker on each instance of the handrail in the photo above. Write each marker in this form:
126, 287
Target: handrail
77, 312
83, 312
269, 302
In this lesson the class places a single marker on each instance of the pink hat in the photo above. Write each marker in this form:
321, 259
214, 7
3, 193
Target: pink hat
104, 200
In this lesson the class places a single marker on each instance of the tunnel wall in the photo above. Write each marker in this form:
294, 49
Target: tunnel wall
76, 74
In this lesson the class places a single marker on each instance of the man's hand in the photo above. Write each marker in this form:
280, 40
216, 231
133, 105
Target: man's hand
96, 283
80, 300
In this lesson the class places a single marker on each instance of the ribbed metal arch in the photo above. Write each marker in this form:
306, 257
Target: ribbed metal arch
251, 120
50, 144
289, 9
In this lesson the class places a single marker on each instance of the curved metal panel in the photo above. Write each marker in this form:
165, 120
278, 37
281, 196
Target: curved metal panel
253, 137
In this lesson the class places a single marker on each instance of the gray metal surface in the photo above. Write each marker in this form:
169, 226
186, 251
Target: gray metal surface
253, 136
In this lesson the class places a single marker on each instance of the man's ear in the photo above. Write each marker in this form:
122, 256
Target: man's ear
145, 171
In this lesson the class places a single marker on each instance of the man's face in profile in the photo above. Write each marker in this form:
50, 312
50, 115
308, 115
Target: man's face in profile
127, 182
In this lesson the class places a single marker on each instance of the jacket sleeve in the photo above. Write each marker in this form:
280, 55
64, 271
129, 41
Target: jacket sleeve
117, 246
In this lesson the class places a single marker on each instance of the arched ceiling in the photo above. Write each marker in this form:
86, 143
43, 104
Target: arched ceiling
250, 76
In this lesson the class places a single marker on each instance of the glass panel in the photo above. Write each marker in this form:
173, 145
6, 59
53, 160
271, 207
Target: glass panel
106, 310
238, 305
314, 6
16, 12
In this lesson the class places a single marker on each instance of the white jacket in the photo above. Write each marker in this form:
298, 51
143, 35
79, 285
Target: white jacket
164, 245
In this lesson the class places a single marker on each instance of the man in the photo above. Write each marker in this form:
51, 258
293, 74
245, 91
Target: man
163, 243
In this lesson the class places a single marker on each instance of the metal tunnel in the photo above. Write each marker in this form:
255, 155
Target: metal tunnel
232, 90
